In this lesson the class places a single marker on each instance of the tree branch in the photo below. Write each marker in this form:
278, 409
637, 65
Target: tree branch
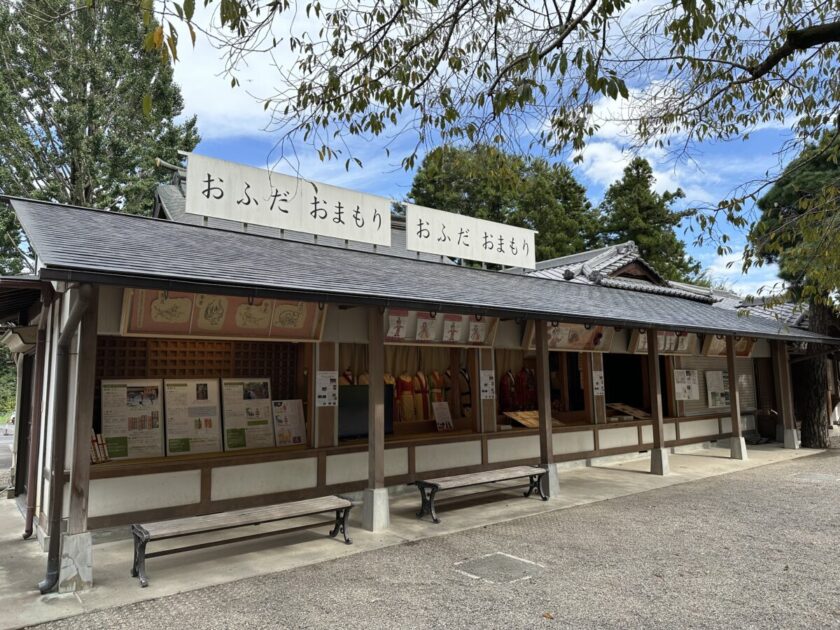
796, 40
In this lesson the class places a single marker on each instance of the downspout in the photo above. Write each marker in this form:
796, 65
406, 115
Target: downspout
37, 421
59, 438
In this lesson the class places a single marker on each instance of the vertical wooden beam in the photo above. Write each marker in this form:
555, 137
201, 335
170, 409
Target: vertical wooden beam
551, 488
784, 393
599, 402
326, 418
658, 456
83, 417
738, 449
376, 514
488, 407
655, 389
376, 400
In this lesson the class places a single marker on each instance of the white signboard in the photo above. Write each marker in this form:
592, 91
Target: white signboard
326, 389
458, 236
598, 382
132, 418
226, 190
686, 385
443, 417
289, 425
488, 385
247, 405
193, 416
717, 388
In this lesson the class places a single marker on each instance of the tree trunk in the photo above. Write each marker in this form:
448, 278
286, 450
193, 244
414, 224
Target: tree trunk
813, 390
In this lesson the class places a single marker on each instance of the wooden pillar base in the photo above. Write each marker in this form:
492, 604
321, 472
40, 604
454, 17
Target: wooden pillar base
791, 438
376, 512
737, 448
659, 462
550, 481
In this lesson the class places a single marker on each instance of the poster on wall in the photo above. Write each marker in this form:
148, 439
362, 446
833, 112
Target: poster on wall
443, 417
578, 337
669, 342
427, 328
326, 389
247, 413
397, 325
193, 416
715, 346
598, 382
289, 423
717, 388
686, 385
171, 313
488, 385
453, 325
132, 418
477, 331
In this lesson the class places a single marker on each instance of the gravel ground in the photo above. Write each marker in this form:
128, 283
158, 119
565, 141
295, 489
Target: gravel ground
753, 549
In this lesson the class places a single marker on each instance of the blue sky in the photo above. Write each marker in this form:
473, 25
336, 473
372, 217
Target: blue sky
232, 123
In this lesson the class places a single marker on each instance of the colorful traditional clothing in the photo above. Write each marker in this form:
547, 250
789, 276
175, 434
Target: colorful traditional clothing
421, 397
405, 398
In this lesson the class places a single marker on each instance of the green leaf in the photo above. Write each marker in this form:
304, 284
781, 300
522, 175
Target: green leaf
147, 104
189, 9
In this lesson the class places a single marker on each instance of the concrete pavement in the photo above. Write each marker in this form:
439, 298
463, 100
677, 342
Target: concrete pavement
421, 576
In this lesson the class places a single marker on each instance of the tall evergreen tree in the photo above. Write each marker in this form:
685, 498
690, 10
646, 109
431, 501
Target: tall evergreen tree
633, 211
488, 183
798, 231
72, 123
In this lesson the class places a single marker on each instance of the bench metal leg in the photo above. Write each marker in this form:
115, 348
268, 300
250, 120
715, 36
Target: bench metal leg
536, 484
341, 525
140, 562
427, 506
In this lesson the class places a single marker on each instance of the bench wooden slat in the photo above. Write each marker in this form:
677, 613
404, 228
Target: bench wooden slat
487, 476
224, 520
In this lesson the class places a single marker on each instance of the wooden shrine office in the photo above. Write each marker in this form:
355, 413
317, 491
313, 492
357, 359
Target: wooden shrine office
200, 362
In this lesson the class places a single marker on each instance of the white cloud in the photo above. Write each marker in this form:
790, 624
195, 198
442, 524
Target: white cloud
758, 281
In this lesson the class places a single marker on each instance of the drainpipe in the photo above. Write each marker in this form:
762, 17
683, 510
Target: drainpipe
59, 439
36, 421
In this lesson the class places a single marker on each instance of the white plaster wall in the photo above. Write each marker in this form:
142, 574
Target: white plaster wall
346, 325
146, 492
110, 310
573, 442
670, 433
452, 455
513, 448
346, 467
615, 438
230, 482
747, 423
698, 428
509, 335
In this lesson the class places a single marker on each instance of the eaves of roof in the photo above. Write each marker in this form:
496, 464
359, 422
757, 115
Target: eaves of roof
84, 245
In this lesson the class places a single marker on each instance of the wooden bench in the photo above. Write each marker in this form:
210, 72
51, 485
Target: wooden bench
176, 528
430, 487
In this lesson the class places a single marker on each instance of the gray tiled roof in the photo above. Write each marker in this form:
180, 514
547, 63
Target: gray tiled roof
85, 245
789, 314
597, 267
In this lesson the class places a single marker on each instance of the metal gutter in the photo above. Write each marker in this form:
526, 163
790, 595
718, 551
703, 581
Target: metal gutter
59, 439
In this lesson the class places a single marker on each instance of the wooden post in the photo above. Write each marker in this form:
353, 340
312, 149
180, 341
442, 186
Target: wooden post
784, 393
326, 418
551, 486
737, 446
83, 418
375, 510
658, 456
599, 401
376, 401
488, 406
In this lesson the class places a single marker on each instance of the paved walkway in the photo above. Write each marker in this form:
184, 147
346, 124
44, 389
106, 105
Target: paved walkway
752, 548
